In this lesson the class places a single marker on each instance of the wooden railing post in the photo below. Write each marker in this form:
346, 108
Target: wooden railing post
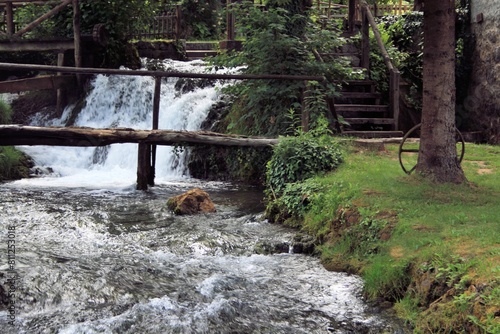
9, 12
230, 21
352, 15
178, 22
365, 40
394, 93
143, 156
77, 39
156, 114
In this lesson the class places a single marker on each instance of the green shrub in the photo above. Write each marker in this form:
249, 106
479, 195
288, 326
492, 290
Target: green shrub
13, 164
5, 112
301, 157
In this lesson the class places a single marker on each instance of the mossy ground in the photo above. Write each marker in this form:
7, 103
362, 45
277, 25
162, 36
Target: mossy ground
433, 251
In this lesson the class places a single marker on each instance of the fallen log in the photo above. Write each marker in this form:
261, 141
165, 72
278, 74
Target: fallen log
11, 135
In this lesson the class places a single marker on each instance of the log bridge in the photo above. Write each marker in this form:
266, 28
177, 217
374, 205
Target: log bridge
147, 140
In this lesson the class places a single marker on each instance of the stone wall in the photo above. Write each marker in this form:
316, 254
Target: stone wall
482, 104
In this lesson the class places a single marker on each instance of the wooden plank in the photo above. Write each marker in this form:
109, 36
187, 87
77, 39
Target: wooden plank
361, 107
163, 74
38, 83
74, 136
14, 46
369, 120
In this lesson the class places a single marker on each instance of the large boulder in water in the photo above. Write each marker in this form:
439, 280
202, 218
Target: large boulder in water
191, 202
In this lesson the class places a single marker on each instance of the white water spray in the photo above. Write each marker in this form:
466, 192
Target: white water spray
124, 101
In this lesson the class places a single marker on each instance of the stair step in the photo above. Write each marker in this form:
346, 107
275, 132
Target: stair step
360, 108
359, 83
199, 54
373, 134
359, 95
202, 45
353, 121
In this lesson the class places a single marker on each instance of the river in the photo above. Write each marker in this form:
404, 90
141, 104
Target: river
93, 255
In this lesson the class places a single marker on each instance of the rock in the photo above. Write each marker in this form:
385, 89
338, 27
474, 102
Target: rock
191, 202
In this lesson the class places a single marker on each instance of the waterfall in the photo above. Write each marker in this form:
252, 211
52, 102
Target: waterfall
124, 101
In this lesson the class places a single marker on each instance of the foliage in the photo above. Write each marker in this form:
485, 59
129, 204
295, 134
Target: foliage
28, 13
201, 19
13, 163
5, 112
119, 17
278, 41
301, 157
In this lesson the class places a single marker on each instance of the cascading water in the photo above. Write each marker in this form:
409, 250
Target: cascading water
125, 101
95, 256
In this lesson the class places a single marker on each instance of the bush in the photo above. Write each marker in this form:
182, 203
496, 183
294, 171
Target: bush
298, 158
13, 164
5, 112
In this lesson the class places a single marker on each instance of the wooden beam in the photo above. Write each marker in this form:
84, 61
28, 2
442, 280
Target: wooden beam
38, 83
56, 45
42, 18
74, 136
163, 74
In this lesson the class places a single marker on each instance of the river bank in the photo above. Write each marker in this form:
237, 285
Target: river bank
430, 253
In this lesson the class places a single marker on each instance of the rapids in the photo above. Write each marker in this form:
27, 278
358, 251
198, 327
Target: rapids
93, 255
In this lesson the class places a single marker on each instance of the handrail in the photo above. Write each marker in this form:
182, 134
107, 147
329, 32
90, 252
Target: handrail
394, 74
376, 33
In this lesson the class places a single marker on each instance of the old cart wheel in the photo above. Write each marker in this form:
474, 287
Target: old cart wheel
414, 151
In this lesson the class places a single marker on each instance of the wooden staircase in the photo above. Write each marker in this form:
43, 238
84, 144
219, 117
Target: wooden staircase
200, 50
360, 107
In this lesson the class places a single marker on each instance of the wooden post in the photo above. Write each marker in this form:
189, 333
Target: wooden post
156, 114
352, 15
394, 96
365, 40
60, 91
77, 39
230, 21
178, 22
9, 11
143, 156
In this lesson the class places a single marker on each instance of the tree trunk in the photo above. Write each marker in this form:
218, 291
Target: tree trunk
418, 5
437, 159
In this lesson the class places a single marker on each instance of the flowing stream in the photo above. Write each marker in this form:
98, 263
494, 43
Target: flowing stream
93, 255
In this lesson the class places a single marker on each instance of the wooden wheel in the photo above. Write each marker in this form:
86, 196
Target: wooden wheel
414, 151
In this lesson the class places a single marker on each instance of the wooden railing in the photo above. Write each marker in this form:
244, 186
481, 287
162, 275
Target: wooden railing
164, 26
367, 21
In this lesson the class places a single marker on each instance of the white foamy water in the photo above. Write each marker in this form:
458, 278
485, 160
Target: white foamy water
124, 101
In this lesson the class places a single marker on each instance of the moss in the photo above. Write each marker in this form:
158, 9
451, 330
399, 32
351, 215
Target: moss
13, 164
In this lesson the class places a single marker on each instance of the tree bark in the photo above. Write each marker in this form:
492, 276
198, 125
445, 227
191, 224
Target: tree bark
437, 159
418, 5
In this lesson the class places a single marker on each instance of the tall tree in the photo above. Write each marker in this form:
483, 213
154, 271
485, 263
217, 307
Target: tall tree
418, 5
438, 154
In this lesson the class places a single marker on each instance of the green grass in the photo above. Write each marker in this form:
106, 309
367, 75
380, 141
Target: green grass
398, 230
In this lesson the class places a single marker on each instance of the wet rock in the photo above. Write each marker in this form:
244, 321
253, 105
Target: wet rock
191, 202
266, 248
303, 244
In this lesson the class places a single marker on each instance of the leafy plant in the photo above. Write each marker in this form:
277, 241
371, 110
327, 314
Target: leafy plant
301, 157
278, 41
5, 112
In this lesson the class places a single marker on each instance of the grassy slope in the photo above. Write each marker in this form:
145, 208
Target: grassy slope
432, 250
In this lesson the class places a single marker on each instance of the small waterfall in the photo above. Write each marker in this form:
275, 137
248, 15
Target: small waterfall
125, 101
